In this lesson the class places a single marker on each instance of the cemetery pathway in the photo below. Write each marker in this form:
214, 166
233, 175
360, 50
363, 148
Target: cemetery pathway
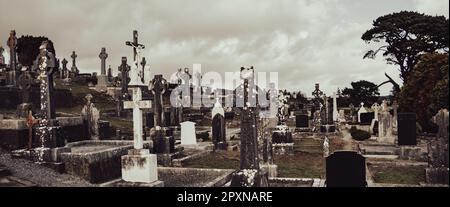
39, 175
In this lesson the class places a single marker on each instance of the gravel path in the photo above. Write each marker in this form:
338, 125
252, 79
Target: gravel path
39, 175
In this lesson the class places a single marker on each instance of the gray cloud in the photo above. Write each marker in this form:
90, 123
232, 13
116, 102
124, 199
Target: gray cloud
305, 41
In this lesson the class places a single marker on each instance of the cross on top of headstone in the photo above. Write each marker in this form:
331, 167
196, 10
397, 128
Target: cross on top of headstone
64, 63
376, 107
135, 44
103, 55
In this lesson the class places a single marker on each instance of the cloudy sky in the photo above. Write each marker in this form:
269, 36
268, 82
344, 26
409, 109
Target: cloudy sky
304, 41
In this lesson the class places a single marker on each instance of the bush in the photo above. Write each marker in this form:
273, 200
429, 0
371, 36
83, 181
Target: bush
203, 135
358, 134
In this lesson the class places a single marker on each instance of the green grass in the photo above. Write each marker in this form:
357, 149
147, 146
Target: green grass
412, 175
219, 160
301, 165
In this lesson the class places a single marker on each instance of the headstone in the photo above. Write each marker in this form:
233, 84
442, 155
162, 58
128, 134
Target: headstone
361, 111
12, 44
102, 79
302, 121
48, 128
91, 116
346, 169
335, 108
64, 70
385, 123
74, 68
406, 129
110, 76
218, 126
139, 165
188, 136
249, 174
376, 109
158, 87
394, 115
124, 68
437, 171
25, 82
366, 118
352, 113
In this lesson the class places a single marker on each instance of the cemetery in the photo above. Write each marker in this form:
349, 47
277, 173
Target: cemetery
62, 126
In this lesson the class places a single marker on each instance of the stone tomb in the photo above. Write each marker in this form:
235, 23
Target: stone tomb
346, 169
96, 160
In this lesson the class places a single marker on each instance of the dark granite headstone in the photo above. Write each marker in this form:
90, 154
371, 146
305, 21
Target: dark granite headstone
366, 118
150, 120
282, 137
406, 123
302, 121
346, 169
218, 132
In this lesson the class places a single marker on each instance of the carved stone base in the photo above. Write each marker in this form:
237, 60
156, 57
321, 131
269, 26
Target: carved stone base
139, 166
250, 178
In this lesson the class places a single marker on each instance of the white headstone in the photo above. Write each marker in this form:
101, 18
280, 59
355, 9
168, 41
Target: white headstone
361, 110
188, 137
217, 109
335, 109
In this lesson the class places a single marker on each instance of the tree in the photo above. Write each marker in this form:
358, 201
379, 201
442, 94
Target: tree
28, 49
407, 35
362, 91
426, 90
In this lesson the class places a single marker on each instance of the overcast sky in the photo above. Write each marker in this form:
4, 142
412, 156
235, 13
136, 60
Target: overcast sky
305, 41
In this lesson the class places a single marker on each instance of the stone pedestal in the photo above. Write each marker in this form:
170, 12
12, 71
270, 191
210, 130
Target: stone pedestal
102, 83
250, 178
139, 166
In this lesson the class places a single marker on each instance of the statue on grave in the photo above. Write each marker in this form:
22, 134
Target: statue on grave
91, 115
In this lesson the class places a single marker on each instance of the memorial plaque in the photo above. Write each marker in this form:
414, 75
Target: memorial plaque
366, 118
302, 121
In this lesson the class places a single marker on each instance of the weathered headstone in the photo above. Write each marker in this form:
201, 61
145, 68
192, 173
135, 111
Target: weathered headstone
124, 68
65, 71
139, 165
188, 136
48, 128
437, 171
91, 116
335, 108
102, 79
346, 169
74, 68
25, 82
218, 127
158, 87
376, 109
406, 129
385, 124
352, 113
250, 174
12, 44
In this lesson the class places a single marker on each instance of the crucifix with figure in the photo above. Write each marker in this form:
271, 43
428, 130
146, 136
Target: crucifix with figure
136, 48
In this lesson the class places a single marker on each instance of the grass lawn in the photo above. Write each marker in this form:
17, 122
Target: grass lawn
398, 174
219, 160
